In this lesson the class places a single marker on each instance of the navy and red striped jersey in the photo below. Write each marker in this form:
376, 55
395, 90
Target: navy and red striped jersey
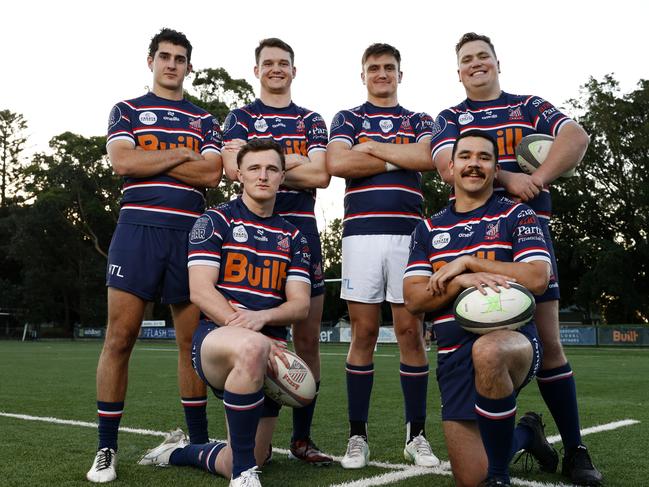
298, 131
507, 120
388, 203
255, 256
153, 123
499, 230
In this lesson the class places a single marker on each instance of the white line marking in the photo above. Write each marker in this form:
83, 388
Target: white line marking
344, 354
402, 471
596, 429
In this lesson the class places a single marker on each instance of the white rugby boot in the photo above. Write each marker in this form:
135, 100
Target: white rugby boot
248, 478
160, 454
357, 454
104, 468
420, 453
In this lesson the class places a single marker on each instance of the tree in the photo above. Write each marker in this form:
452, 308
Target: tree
12, 141
219, 93
601, 216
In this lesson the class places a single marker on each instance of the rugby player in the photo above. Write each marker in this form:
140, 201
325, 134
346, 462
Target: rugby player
249, 274
507, 118
480, 239
167, 150
380, 149
302, 134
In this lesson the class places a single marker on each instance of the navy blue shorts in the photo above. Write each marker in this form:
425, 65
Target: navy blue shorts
316, 271
552, 292
205, 327
456, 378
149, 262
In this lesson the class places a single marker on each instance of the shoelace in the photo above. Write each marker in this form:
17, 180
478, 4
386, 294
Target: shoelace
355, 446
528, 460
250, 477
105, 459
422, 445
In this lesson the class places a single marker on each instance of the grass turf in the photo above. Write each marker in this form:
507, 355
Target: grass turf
56, 379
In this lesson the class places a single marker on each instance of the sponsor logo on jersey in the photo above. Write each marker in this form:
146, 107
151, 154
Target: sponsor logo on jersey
260, 236
492, 232
386, 125
261, 125
525, 212
230, 121
488, 115
239, 233
278, 123
516, 113
441, 240
202, 230
468, 231
317, 271
465, 118
114, 117
338, 121
525, 231
405, 123
366, 124
270, 275
195, 123
171, 117
282, 243
148, 118
299, 126
438, 125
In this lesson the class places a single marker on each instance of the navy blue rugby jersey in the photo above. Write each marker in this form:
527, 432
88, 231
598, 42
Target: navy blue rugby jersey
507, 119
298, 131
388, 203
255, 256
153, 123
499, 230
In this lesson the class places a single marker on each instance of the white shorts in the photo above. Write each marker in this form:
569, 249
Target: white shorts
373, 267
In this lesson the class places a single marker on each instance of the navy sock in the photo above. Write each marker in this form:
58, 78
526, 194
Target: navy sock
109, 414
201, 456
196, 418
243, 412
303, 418
360, 379
522, 439
414, 384
496, 418
558, 389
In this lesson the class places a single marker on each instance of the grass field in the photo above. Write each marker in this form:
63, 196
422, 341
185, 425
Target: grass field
56, 380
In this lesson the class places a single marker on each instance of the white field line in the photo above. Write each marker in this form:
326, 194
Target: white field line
401, 471
321, 353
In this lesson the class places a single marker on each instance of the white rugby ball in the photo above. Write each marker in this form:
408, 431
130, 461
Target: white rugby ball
509, 309
294, 386
531, 152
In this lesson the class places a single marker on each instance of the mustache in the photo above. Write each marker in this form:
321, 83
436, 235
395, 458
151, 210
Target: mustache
473, 171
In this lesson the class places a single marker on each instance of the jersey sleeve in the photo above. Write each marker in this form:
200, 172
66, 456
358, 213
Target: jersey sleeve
119, 124
418, 263
316, 136
444, 131
343, 129
423, 126
235, 126
546, 118
298, 269
212, 136
528, 240
206, 238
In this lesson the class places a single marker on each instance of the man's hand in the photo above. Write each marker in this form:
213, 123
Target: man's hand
245, 318
482, 279
295, 160
276, 350
438, 281
364, 147
234, 145
520, 185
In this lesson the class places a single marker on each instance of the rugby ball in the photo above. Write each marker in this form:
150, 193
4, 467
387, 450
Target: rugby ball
509, 309
294, 386
531, 152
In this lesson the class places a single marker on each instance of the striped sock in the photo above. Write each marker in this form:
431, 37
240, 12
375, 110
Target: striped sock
360, 379
109, 414
201, 456
559, 392
243, 412
496, 418
414, 384
196, 418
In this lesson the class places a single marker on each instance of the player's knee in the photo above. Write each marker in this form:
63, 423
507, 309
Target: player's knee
487, 355
252, 355
119, 342
365, 336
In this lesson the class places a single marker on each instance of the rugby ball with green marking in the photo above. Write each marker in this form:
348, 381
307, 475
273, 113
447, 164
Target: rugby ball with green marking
531, 152
508, 309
